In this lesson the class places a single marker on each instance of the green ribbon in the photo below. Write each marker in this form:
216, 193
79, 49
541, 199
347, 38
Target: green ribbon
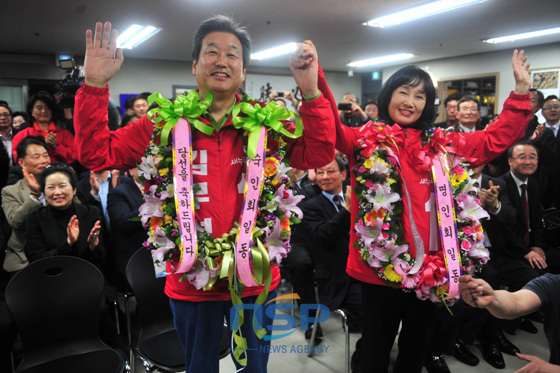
189, 107
256, 116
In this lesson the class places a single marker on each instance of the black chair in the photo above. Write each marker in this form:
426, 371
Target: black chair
158, 344
55, 303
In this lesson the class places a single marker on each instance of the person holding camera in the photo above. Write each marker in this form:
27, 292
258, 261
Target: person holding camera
350, 111
281, 97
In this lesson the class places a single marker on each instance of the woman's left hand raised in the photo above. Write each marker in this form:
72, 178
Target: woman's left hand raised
521, 72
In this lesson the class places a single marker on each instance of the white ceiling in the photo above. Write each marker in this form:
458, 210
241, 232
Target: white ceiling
335, 26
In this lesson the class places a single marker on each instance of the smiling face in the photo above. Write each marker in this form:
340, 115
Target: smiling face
58, 190
36, 159
330, 178
551, 111
523, 161
5, 118
140, 106
219, 69
407, 104
41, 112
468, 113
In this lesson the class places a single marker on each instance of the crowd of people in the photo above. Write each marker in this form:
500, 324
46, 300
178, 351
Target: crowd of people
365, 180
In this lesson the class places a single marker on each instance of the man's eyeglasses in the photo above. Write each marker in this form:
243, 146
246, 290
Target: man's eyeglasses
469, 110
5, 115
524, 158
555, 107
328, 172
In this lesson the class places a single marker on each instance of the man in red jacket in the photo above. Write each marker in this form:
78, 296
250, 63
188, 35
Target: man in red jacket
221, 54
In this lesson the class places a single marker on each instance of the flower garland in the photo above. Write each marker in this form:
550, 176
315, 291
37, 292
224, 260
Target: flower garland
378, 225
277, 210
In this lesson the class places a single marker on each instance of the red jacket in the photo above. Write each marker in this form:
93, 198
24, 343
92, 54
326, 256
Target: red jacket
64, 151
485, 145
217, 167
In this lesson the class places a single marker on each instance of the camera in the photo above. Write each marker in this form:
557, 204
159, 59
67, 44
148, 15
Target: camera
279, 94
66, 88
344, 106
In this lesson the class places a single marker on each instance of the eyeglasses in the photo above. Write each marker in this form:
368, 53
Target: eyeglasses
328, 172
5, 115
524, 158
555, 107
469, 110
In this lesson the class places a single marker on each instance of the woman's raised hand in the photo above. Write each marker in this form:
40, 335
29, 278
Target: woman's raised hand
521, 72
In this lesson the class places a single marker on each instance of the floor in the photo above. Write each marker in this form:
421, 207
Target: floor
290, 354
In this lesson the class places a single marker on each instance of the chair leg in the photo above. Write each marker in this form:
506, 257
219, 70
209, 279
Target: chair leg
129, 333
117, 320
346, 330
314, 332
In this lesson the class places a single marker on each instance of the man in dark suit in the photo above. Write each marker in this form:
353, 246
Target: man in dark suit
123, 203
468, 114
526, 255
327, 218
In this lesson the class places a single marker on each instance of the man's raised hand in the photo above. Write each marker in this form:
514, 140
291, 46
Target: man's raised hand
103, 59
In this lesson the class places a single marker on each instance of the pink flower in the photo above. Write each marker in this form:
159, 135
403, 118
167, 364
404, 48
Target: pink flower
200, 275
277, 247
287, 202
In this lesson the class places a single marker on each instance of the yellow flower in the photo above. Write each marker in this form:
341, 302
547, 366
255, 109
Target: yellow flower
285, 224
163, 171
442, 290
270, 166
458, 178
167, 219
367, 163
391, 274
160, 124
274, 182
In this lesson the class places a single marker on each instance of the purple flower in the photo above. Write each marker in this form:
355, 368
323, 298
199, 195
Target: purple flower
287, 202
277, 248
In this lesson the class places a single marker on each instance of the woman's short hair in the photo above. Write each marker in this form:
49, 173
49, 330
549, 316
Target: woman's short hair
53, 168
44, 96
412, 76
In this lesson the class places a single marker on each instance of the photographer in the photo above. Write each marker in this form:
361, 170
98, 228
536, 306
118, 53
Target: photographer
351, 114
281, 97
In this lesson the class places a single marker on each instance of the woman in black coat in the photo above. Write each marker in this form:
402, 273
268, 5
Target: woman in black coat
63, 227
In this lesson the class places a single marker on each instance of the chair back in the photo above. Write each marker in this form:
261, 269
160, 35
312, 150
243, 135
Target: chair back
154, 310
56, 301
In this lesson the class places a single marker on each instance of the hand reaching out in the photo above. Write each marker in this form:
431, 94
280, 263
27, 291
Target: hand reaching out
103, 59
536, 365
32, 182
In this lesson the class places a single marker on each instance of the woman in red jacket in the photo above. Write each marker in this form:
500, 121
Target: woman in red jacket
60, 142
396, 240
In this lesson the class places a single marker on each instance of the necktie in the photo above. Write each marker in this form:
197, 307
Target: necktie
338, 202
553, 130
525, 206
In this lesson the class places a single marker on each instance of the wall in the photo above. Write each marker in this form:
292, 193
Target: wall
542, 56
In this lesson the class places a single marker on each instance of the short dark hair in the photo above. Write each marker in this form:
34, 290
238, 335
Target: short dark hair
21, 149
467, 99
371, 103
548, 98
5, 105
129, 102
44, 96
522, 142
20, 113
222, 23
137, 98
453, 97
53, 168
539, 95
413, 76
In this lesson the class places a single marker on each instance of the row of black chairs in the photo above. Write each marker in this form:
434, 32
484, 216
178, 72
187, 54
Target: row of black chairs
56, 302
